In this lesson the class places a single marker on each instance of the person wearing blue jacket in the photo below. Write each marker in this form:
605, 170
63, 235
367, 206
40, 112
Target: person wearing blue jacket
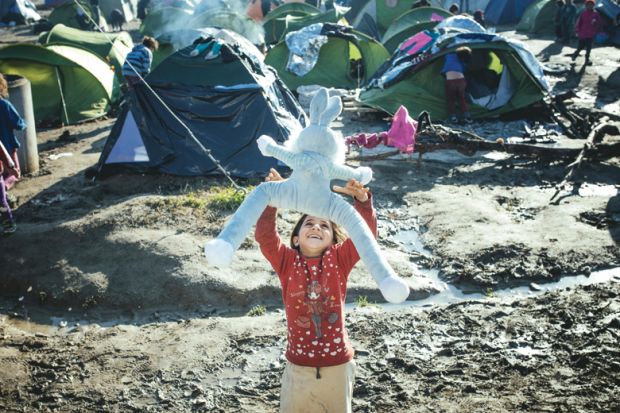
138, 61
10, 120
453, 71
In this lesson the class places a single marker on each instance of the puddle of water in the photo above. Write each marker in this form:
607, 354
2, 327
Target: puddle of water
410, 240
606, 191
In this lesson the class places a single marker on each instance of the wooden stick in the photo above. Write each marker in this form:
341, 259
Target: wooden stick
596, 134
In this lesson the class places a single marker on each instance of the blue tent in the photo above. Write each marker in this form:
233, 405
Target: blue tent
505, 11
610, 10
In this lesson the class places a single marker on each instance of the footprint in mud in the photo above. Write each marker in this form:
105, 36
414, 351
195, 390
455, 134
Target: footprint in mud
518, 212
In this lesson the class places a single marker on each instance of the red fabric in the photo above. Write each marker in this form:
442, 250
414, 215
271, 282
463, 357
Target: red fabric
11, 176
455, 91
313, 292
367, 141
588, 24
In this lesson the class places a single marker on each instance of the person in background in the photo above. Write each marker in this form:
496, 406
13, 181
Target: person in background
143, 9
117, 19
569, 12
138, 61
94, 5
421, 3
10, 120
455, 84
557, 19
586, 28
479, 18
454, 9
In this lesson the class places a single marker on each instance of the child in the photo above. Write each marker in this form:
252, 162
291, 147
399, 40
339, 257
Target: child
140, 57
479, 18
586, 27
313, 272
454, 72
9, 168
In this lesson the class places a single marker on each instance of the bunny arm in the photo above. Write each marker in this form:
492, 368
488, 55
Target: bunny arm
291, 159
345, 172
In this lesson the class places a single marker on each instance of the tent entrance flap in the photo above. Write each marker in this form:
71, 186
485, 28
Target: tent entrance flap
491, 98
489, 83
129, 146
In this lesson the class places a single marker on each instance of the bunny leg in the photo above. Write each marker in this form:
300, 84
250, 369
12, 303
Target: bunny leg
393, 288
220, 251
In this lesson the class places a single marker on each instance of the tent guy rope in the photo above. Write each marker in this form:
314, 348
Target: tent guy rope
159, 99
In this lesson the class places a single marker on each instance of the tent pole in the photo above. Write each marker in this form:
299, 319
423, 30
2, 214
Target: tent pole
62, 96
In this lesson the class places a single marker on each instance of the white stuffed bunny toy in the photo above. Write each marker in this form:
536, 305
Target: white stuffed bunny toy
316, 156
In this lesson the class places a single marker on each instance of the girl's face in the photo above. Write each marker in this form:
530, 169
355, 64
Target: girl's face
315, 236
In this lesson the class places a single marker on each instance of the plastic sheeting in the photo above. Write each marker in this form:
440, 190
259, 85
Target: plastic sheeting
304, 46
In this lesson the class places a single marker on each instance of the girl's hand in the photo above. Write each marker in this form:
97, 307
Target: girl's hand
353, 188
273, 176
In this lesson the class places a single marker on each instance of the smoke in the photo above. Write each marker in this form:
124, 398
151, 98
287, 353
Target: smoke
183, 27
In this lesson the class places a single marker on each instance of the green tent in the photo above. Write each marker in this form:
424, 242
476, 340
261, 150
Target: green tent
347, 60
410, 23
502, 77
386, 11
67, 14
275, 23
111, 47
539, 17
222, 70
69, 84
165, 19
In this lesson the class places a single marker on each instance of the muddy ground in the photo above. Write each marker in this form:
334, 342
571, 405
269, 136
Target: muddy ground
107, 304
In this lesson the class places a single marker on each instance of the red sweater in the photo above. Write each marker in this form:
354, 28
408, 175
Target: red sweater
588, 24
313, 292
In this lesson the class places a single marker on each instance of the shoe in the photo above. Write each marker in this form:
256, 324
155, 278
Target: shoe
453, 119
467, 118
588, 63
9, 228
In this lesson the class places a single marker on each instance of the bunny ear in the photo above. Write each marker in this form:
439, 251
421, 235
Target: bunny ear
318, 104
334, 107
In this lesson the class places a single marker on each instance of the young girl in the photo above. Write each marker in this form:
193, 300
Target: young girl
9, 168
313, 272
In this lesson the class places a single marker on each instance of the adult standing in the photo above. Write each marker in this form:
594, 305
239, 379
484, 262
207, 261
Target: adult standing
557, 20
569, 12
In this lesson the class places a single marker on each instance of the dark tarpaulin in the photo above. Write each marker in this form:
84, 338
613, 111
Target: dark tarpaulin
227, 121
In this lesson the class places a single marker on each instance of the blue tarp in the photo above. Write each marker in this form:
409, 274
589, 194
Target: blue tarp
505, 11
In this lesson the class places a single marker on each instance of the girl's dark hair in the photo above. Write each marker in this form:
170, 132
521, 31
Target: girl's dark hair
338, 234
464, 53
4, 87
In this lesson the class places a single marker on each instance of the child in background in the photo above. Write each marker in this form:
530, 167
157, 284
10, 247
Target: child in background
313, 272
586, 28
140, 58
479, 18
454, 72
9, 168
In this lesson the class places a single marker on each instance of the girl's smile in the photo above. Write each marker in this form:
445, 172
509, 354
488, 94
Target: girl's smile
315, 236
